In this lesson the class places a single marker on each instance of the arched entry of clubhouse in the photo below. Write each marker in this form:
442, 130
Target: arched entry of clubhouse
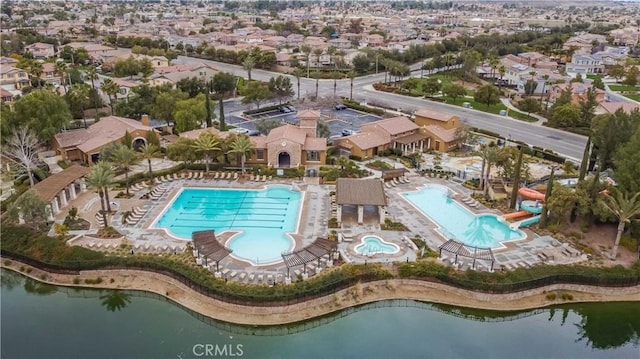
284, 159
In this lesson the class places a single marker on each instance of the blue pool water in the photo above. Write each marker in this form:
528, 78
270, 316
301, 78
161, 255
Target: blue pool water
375, 245
456, 222
263, 217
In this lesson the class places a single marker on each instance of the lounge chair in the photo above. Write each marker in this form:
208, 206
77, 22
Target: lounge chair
235, 175
260, 277
242, 276
406, 179
190, 176
229, 174
270, 178
252, 177
252, 276
386, 184
183, 175
216, 175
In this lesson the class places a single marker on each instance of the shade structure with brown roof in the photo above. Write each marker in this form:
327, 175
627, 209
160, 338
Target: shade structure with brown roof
360, 192
314, 251
208, 247
51, 186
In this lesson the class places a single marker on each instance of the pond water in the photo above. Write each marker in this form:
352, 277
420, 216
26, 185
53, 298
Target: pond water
42, 321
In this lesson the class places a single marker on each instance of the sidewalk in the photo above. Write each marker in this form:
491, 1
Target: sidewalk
507, 103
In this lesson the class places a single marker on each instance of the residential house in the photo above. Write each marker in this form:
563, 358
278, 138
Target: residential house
578, 92
440, 128
372, 40
95, 51
17, 78
85, 144
173, 74
6, 97
391, 133
585, 64
49, 74
340, 43
40, 50
627, 36
584, 42
7, 61
610, 107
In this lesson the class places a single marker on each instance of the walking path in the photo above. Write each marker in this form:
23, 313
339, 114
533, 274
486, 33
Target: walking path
356, 295
507, 103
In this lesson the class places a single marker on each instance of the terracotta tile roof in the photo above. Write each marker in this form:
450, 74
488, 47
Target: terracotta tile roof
442, 133
259, 142
368, 191
434, 115
109, 129
612, 107
393, 126
366, 140
315, 144
193, 134
71, 138
308, 114
414, 137
52, 185
287, 132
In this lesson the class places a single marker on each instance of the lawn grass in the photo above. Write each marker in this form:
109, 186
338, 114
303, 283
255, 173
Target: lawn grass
494, 109
633, 97
593, 77
619, 88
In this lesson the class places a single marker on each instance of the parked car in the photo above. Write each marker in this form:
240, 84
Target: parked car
348, 132
284, 109
239, 130
340, 106
253, 133
291, 108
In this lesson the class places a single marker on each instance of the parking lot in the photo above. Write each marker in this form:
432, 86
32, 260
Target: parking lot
337, 120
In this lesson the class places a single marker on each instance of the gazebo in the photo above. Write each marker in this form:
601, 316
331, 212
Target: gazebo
60, 188
360, 193
206, 247
460, 249
315, 251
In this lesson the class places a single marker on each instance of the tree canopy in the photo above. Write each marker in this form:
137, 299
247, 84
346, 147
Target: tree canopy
43, 111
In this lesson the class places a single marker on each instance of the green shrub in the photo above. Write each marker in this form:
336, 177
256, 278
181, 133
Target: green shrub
7, 262
629, 243
93, 281
551, 296
333, 223
76, 280
567, 296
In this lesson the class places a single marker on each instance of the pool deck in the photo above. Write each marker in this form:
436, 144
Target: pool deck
316, 210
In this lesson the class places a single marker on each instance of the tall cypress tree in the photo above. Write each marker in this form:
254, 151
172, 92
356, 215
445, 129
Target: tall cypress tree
516, 179
544, 217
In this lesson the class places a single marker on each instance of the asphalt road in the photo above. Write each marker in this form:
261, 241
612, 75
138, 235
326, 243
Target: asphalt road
564, 143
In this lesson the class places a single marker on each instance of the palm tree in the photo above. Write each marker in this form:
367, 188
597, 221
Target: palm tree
93, 75
206, 144
502, 70
491, 155
242, 145
546, 79
298, 73
494, 62
318, 52
101, 177
148, 151
110, 88
306, 49
625, 209
61, 69
352, 74
248, 64
124, 157
79, 94
35, 68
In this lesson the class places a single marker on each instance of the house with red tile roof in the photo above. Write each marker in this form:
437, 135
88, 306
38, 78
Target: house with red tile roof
85, 144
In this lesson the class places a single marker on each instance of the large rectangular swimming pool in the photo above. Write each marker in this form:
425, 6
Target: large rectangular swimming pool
263, 217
